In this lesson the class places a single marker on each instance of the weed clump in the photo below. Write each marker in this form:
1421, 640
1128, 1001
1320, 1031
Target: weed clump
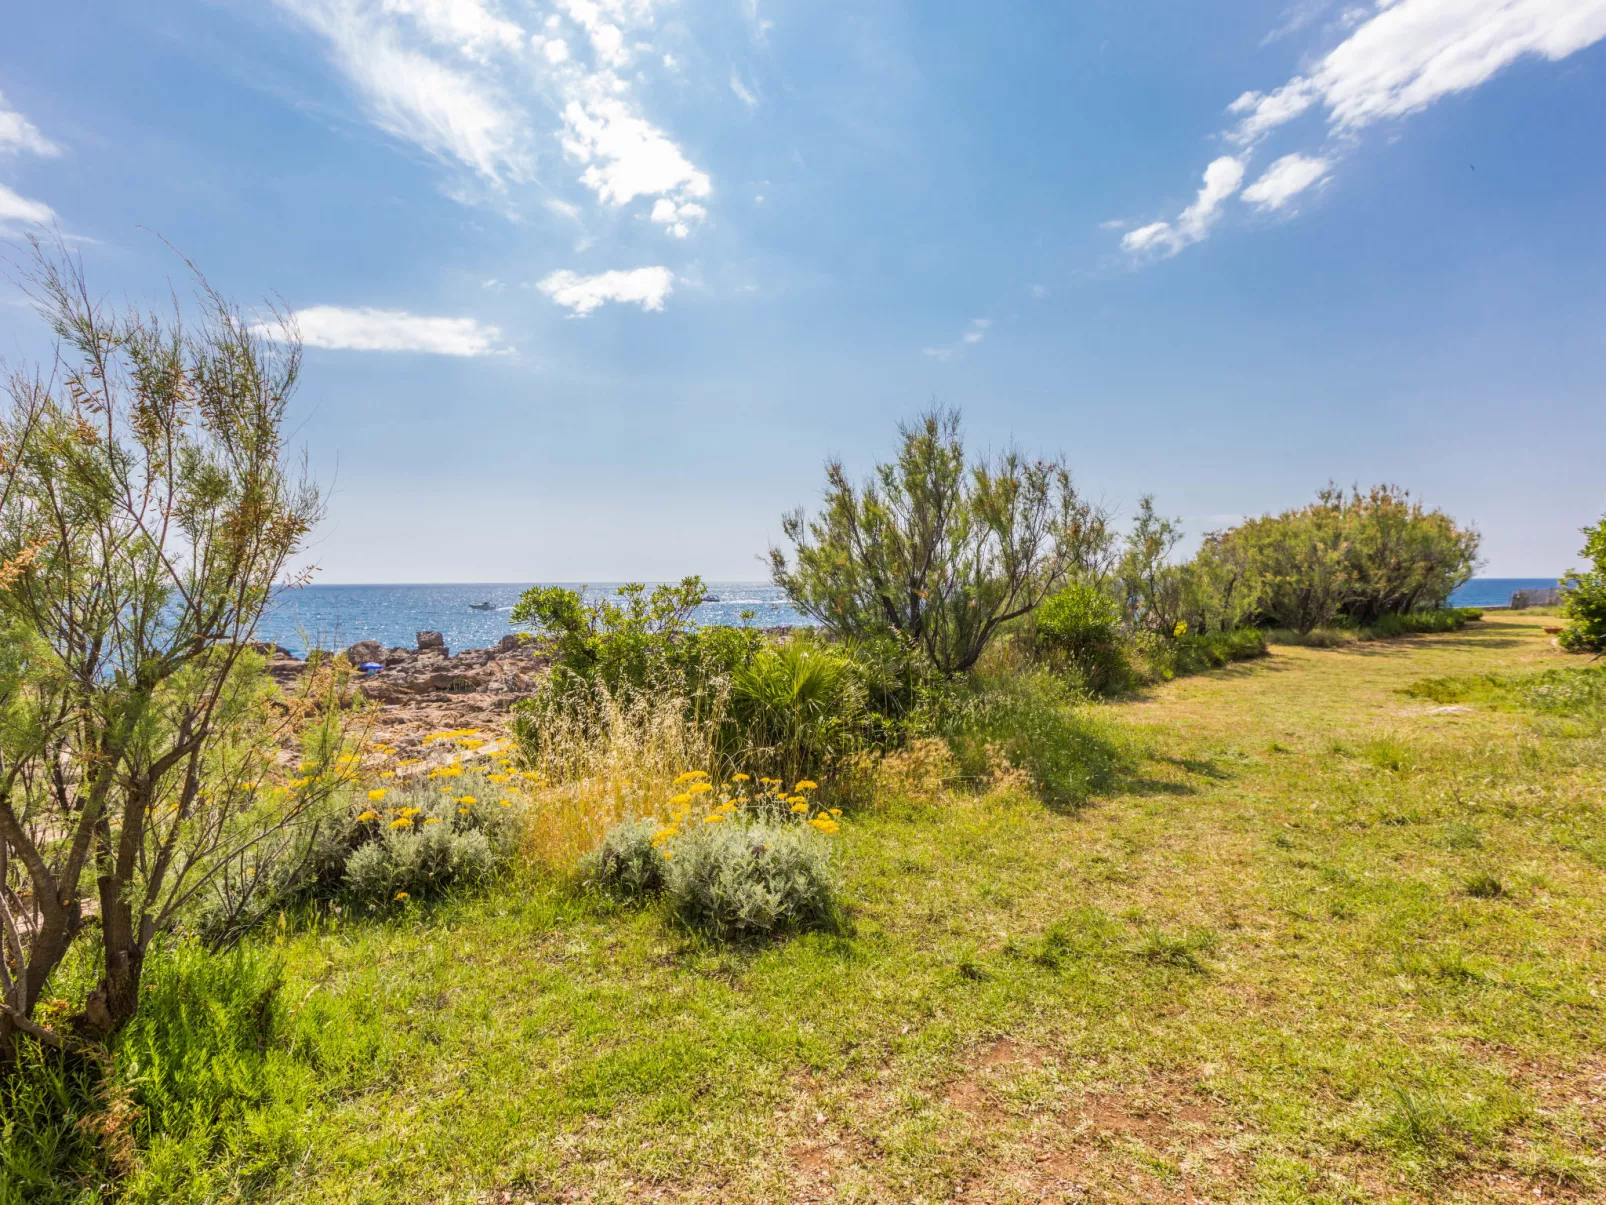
1485, 886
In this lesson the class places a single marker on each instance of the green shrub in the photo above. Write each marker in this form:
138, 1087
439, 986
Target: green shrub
1081, 627
634, 640
797, 708
1585, 605
739, 881
937, 552
628, 864
1031, 720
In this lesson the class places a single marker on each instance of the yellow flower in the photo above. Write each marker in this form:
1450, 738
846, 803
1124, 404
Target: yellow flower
802, 809
806, 785
402, 895
740, 778
297, 783
496, 778
699, 788
680, 799
409, 811
370, 814
468, 800
388, 774
1181, 629
376, 794
713, 818
400, 822
681, 779
507, 803
825, 824
409, 761
697, 774
836, 812
795, 799
433, 820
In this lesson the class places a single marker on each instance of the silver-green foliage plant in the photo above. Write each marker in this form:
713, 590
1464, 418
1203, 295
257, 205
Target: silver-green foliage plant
738, 881
416, 863
147, 512
938, 551
628, 864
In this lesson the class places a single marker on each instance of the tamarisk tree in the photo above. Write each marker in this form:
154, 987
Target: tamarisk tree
146, 513
936, 552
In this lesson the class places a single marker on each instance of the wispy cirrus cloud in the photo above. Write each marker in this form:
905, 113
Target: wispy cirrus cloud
340, 328
1395, 59
646, 287
466, 82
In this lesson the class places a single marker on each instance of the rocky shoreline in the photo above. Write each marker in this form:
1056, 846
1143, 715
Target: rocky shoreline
428, 689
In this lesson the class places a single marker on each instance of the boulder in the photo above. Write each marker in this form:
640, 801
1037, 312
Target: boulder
431, 642
509, 643
364, 651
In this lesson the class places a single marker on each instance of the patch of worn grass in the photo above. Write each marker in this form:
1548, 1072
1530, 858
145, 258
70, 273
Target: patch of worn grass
1243, 973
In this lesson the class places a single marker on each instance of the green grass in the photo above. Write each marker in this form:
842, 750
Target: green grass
1313, 939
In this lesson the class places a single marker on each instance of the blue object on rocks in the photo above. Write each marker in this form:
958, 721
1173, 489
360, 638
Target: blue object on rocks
370, 667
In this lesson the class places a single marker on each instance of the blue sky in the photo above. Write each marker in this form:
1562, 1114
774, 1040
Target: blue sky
591, 288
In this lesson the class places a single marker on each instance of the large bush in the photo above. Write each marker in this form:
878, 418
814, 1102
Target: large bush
1585, 606
936, 552
1351, 558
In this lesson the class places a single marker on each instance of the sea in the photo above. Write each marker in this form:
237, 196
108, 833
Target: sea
334, 617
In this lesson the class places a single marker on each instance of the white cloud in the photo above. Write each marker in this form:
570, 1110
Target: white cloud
339, 328
17, 133
582, 294
1038, 292
465, 82
743, 92
392, 57
1397, 57
625, 155
14, 208
1410, 53
1221, 179
676, 216
972, 334
1415, 51
1286, 179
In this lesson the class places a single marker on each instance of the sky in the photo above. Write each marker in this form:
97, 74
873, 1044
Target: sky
591, 289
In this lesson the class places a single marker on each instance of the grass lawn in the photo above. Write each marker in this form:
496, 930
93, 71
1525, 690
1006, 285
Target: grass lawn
1325, 942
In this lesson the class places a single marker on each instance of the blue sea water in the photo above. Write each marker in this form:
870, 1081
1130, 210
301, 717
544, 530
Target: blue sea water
1497, 591
333, 617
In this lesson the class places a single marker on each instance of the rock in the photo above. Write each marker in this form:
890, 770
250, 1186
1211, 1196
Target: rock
432, 641
509, 643
364, 651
